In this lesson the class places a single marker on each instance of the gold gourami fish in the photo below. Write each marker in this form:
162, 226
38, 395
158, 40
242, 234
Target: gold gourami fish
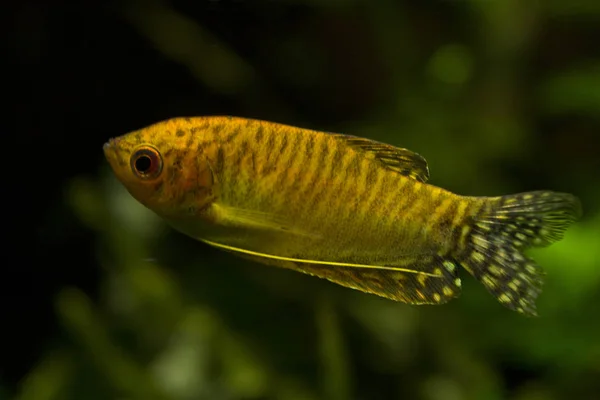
351, 210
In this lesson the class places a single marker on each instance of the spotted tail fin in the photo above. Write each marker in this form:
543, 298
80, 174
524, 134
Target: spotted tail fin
499, 235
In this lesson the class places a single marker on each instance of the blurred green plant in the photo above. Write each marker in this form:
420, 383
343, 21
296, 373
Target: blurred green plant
179, 321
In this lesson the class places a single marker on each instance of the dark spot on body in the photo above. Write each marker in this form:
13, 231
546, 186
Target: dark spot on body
189, 142
159, 186
230, 137
445, 228
178, 163
294, 146
176, 168
180, 133
338, 156
279, 152
354, 168
325, 154
220, 160
216, 127
270, 142
244, 147
259, 134
236, 162
308, 146
254, 163
268, 169
317, 196
371, 175
284, 143
200, 147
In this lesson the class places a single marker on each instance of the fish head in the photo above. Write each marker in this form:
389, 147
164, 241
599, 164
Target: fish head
160, 169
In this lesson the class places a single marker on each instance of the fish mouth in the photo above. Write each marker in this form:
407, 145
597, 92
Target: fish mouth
109, 146
112, 153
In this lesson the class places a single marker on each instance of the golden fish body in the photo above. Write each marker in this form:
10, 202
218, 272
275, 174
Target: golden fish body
348, 209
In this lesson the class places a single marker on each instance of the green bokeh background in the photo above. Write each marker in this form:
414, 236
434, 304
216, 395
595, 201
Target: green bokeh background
500, 96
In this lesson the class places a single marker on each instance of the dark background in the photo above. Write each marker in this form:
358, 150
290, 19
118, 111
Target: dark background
100, 300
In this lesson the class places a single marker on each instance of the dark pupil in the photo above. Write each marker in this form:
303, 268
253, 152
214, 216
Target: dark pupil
143, 164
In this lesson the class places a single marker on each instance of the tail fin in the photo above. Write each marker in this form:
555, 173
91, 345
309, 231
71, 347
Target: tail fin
506, 227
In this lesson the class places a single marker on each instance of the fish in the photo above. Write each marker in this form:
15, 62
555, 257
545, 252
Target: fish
355, 211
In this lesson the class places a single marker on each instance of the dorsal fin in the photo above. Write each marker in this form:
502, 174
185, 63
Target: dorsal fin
403, 161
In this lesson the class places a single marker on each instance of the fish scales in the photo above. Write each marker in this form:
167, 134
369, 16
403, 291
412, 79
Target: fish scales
326, 176
330, 202
351, 210
395, 199
312, 186
320, 178
322, 185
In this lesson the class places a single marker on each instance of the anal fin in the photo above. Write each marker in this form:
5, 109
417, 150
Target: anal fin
416, 280
407, 287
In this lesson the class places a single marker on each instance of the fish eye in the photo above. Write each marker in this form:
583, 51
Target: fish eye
146, 163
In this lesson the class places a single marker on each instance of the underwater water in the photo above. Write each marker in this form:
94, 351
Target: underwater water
103, 300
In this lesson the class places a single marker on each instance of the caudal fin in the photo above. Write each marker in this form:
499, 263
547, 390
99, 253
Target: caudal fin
507, 227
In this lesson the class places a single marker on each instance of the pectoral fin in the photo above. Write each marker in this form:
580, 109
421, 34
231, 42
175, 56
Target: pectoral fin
419, 280
243, 218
